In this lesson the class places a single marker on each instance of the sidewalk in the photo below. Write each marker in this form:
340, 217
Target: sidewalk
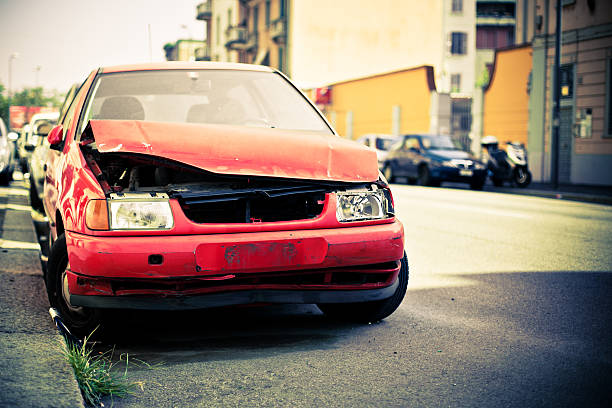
33, 373
590, 194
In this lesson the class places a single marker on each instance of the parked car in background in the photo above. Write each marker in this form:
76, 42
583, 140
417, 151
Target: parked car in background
30, 137
7, 153
195, 185
39, 155
379, 142
431, 160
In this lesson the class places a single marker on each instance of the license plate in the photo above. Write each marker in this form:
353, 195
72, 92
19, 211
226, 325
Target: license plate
247, 256
467, 173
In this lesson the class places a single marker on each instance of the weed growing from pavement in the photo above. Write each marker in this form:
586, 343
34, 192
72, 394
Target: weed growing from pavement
97, 375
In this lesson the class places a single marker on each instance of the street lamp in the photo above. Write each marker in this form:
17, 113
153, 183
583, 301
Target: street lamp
13, 56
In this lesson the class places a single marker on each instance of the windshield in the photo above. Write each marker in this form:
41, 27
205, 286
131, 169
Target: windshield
247, 98
438, 143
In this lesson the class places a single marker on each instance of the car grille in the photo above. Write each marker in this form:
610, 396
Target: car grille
253, 206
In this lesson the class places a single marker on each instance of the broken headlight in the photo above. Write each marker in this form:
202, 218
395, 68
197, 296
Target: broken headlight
133, 211
362, 205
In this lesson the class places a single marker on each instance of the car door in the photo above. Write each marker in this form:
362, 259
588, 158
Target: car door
53, 167
413, 156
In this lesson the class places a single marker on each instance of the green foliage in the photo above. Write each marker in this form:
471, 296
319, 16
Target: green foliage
4, 106
483, 79
34, 97
27, 97
96, 373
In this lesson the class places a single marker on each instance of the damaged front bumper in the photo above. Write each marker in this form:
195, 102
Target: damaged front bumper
336, 265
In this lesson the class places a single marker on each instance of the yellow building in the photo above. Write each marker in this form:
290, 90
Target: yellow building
397, 102
506, 98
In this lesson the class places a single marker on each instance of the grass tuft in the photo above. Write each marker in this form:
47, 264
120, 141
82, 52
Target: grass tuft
96, 373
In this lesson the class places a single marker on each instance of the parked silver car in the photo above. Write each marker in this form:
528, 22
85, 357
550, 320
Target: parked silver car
7, 154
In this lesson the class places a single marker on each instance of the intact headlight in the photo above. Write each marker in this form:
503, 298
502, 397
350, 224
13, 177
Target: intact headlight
140, 213
360, 206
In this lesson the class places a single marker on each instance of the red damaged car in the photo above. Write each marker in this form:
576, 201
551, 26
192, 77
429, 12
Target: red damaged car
193, 185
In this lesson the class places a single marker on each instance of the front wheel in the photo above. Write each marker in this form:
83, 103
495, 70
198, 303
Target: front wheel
522, 177
366, 312
424, 178
81, 321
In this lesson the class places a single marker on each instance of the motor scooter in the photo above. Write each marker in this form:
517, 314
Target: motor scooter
506, 165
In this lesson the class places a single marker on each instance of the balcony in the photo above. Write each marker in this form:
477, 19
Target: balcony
236, 38
278, 30
202, 54
252, 42
204, 10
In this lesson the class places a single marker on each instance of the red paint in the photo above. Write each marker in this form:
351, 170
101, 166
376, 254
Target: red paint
224, 256
125, 257
241, 150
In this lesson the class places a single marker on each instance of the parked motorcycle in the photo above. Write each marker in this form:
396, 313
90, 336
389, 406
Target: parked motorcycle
506, 165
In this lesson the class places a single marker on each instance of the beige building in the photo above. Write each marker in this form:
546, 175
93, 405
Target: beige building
585, 131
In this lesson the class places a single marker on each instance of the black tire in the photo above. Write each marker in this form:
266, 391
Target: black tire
497, 182
388, 173
521, 177
424, 178
35, 200
477, 184
366, 312
81, 321
5, 178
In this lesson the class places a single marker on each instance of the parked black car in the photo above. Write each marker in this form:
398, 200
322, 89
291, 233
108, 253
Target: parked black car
432, 159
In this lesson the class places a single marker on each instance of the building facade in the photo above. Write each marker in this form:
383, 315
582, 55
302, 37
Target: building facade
585, 131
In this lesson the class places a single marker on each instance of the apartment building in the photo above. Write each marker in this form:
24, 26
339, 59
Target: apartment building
585, 131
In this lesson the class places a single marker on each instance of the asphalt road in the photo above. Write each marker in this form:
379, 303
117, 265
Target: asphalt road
509, 305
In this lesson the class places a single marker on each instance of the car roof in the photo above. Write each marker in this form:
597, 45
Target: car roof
170, 65
44, 115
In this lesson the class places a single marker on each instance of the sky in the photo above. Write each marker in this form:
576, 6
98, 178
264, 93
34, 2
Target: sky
67, 39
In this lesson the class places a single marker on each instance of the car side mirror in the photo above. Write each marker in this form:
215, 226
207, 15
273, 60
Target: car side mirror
56, 137
12, 136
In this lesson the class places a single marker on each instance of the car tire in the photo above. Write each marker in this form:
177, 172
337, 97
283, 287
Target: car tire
6, 177
35, 200
477, 184
81, 321
367, 312
497, 182
388, 173
424, 178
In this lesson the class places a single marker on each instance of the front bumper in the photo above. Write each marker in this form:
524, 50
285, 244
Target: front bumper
348, 264
458, 175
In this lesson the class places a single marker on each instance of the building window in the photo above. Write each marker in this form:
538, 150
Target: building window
457, 6
267, 13
282, 8
229, 17
493, 37
456, 83
218, 30
458, 43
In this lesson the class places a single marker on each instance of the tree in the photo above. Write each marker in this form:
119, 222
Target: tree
34, 97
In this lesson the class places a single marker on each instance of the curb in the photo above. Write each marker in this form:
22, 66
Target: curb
33, 372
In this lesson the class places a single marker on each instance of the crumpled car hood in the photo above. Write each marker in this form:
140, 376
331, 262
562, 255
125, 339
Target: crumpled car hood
240, 150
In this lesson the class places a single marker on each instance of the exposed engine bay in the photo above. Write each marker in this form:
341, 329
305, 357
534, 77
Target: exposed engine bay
207, 197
